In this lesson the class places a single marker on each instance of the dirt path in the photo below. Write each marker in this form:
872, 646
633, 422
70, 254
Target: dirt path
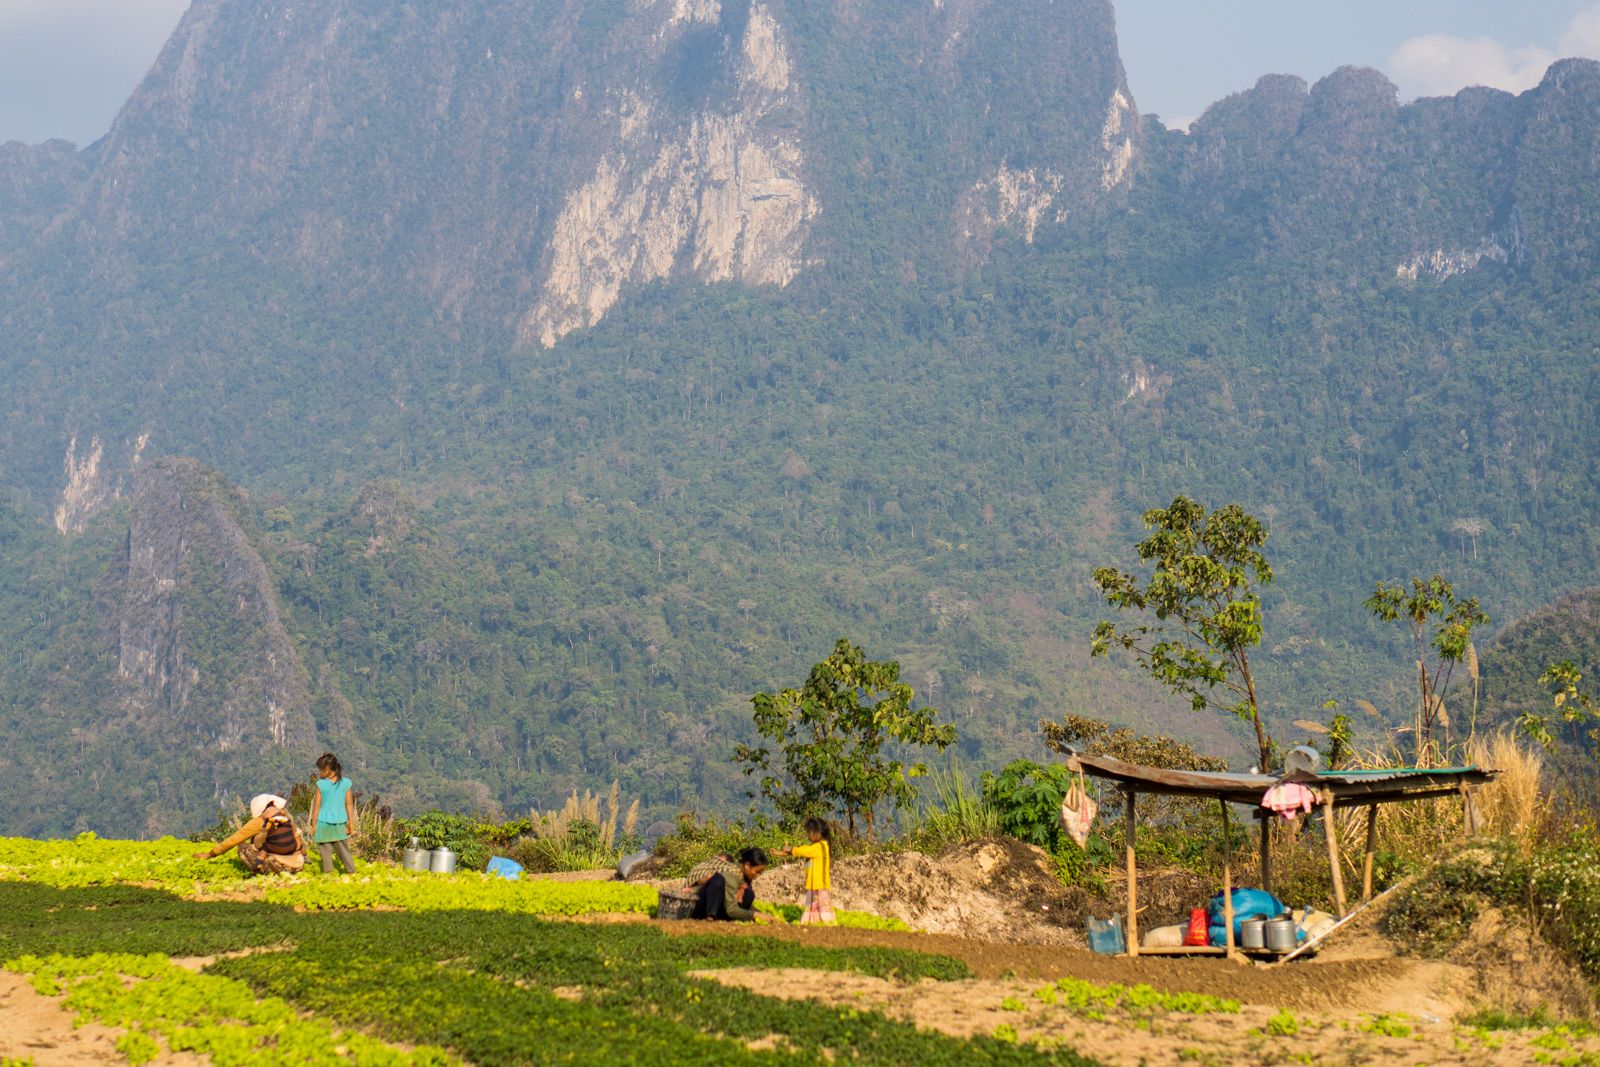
39, 1027
1257, 1034
1313, 985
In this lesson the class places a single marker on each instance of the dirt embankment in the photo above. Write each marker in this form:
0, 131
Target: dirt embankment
997, 890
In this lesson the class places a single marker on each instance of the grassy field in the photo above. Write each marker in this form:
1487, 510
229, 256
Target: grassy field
306, 972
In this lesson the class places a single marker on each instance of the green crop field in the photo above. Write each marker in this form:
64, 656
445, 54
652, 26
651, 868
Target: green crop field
470, 968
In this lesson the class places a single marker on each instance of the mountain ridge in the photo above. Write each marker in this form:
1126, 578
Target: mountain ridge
1014, 313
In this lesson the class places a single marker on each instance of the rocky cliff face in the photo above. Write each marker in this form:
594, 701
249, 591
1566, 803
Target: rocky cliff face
1340, 171
200, 648
719, 193
532, 167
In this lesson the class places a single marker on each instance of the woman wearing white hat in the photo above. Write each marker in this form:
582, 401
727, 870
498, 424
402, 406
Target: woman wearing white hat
269, 843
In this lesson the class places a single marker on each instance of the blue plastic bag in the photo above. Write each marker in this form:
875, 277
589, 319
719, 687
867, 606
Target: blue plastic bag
1247, 904
1105, 936
505, 868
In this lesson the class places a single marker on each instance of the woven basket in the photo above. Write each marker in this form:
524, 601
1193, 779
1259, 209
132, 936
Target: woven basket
676, 903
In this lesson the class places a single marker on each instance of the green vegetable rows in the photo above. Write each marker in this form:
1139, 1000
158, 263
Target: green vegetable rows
169, 864
219, 1017
467, 968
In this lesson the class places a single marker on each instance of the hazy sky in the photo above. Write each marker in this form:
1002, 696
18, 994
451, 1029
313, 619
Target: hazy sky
66, 66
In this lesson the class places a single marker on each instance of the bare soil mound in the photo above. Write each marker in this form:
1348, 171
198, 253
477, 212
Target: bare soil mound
1000, 890
1515, 969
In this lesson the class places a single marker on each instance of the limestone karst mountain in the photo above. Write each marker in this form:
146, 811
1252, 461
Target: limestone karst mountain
590, 365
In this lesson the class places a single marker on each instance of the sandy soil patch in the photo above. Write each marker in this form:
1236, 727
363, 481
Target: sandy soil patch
1257, 1034
38, 1026
606, 875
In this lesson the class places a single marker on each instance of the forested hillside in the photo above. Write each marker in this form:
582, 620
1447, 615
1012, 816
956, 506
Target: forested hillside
549, 384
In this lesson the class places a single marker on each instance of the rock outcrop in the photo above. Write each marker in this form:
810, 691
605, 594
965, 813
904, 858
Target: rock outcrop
200, 647
721, 195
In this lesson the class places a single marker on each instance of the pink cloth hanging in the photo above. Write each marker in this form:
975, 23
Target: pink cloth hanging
1289, 799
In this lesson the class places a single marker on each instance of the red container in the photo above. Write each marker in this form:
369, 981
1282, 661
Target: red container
1198, 933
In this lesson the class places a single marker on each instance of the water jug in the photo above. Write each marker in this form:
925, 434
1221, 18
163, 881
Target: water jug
415, 859
443, 861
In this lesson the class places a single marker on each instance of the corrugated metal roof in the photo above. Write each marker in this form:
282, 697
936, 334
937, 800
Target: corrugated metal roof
1347, 787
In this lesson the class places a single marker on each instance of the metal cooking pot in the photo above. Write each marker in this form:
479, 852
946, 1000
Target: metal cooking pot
1253, 934
443, 861
1282, 934
415, 859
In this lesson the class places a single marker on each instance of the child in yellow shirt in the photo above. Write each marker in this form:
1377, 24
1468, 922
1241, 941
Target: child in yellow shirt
819, 871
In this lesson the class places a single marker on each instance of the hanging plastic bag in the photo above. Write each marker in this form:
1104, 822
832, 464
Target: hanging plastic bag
1077, 811
1105, 936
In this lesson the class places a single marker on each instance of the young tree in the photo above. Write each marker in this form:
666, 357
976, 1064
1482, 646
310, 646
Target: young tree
1431, 602
827, 739
1202, 603
1576, 707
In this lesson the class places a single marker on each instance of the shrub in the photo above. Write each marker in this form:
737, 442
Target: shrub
1433, 915
1557, 887
461, 834
694, 841
1026, 797
1083, 867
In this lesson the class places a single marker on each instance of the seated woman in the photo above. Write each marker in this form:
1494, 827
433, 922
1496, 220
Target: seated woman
269, 843
727, 889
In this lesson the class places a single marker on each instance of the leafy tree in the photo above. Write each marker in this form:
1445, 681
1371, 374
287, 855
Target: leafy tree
1576, 707
1430, 603
827, 739
1202, 601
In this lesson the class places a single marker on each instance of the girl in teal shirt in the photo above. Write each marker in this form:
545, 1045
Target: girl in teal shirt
333, 813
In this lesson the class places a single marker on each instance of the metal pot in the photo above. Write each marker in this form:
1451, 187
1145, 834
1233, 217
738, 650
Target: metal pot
1282, 934
443, 861
1253, 934
415, 859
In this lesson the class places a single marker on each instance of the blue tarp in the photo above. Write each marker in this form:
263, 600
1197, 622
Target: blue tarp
505, 868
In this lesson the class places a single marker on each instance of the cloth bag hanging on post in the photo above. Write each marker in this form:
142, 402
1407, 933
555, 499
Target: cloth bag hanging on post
1077, 811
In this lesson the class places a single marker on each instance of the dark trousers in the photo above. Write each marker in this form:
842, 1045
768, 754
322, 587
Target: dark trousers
713, 902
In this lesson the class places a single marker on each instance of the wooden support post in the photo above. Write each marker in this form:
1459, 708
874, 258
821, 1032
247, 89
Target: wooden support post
1470, 810
1227, 876
1372, 848
1128, 824
1266, 851
1332, 833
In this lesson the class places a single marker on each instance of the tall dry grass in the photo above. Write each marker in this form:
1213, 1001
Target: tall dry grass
577, 810
1515, 805
588, 832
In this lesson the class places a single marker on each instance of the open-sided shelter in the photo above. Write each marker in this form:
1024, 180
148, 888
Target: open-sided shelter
1332, 789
